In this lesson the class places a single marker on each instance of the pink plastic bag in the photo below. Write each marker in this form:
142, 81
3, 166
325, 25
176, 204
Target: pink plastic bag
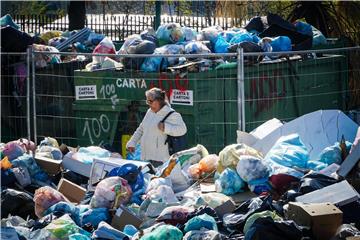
45, 197
106, 46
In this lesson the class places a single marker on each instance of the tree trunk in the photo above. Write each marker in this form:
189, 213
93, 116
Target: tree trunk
77, 15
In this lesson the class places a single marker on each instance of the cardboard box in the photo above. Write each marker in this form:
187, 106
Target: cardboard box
50, 166
323, 218
124, 216
71, 191
227, 207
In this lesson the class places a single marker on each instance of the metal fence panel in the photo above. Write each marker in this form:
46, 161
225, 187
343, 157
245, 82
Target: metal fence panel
15, 96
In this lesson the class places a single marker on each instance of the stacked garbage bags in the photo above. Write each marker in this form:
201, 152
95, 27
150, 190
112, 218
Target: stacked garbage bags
288, 191
267, 34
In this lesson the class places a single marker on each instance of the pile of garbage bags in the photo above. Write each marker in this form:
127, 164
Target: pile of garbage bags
286, 192
269, 33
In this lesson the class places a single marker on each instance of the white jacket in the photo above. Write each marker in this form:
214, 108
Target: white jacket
152, 140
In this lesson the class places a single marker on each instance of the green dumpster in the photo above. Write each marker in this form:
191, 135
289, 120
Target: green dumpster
197, 96
286, 90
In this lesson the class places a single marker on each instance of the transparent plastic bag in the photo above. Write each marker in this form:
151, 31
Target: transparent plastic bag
63, 227
170, 33
229, 156
106, 46
229, 182
251, 168
110, 193
45, 197
209, 163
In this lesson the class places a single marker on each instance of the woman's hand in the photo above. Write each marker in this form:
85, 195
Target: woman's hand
131, 149
161, 126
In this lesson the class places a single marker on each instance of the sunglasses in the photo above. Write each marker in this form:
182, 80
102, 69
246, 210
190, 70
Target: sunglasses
148, 101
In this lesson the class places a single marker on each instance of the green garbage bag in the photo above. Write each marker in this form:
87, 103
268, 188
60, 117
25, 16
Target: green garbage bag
164, 232
64, 227
255, 216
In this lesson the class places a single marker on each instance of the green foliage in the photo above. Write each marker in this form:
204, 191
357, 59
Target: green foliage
29, 7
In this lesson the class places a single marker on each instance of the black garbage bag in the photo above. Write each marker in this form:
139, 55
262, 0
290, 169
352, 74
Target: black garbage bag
314, 181
267, 229
236, 221
274, 25
138, 47
351, 213
150, 35
345, 231
17, 203
247, 47
7, 178
13, 40
46, 220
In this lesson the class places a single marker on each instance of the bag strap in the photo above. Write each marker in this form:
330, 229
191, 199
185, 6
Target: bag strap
167, 115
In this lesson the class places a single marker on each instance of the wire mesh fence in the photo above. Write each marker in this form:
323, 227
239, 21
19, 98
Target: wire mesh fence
15, 96
103, 102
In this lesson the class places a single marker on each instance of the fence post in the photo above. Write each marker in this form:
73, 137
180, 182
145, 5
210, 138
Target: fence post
241, 89
28, 78
157, 14
34, 93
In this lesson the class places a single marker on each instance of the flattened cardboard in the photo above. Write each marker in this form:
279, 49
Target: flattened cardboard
340, 194
323, 218
50, 166
350, 161
71, 191
124, 216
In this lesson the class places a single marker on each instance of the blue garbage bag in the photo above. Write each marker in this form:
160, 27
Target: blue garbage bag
79, 236
135, 179
289, 151
201, 221
241, 37
7, 20
95, 216
189, 34
66, 208
169, 33
221, 45
134, 155
281, 44
331, 154
196, 48
28, 162
318, 37
228, 35
304, 28
229, 182
155, 64
251, 168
